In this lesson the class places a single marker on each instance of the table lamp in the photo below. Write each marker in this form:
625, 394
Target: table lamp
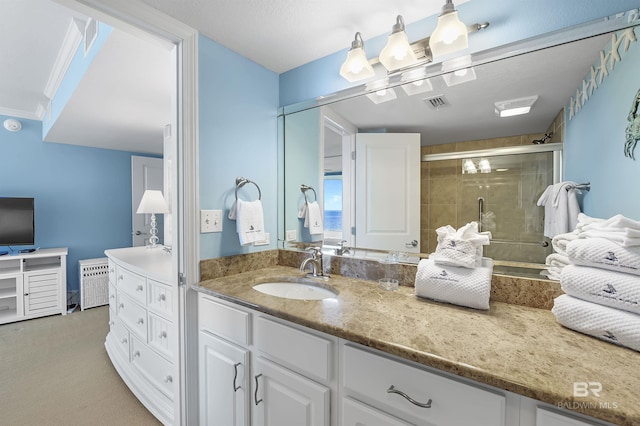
153, 202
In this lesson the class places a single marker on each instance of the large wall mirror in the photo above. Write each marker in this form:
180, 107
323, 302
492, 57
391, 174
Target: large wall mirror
389, 164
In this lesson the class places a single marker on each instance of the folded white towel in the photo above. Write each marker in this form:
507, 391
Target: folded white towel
602, 253
557, 259
560, 241
584, 220
609, 288
249, 219
603, 322
619, 237
552, 273
617, 222
460, 286
561, 208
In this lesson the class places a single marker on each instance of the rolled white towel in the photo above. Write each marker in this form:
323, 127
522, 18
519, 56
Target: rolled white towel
560, 241
603, 253
605, 323
609, 288
459, 286
557, 259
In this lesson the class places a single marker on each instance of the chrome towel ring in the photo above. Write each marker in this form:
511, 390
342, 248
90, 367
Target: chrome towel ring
240, 182
304, 188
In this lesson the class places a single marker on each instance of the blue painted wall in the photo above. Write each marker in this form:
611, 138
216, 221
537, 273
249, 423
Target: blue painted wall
82, 195
238, 102
510, 21
594, 141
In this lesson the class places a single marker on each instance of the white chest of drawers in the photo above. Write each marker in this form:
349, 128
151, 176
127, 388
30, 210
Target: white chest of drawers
142, 342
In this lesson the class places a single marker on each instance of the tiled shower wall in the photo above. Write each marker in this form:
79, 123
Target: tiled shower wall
450, 198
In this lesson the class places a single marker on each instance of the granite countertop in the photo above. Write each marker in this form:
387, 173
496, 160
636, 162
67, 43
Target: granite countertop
517, 348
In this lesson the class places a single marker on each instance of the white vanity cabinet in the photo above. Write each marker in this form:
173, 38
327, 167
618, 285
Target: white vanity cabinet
142, 342
255, 370
33, 284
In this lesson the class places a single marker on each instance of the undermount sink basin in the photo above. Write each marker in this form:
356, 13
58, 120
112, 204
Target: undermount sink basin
296, 290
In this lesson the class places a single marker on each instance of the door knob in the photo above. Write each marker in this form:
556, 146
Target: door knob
413, 243
140, 233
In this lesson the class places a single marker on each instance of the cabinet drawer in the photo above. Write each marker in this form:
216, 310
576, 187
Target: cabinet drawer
112, 297
159, 298
121, 337
112, 272
355, 413
134, 316
369, 377
133, 284
299, 350
155, 368
550, 418
223, 320
162, 335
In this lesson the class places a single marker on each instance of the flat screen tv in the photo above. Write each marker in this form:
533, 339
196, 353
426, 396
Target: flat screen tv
17, 226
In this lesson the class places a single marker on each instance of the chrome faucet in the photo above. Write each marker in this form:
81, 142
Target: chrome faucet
317, 268
341, 249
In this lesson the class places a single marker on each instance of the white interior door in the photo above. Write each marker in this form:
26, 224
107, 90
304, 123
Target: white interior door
146, 173
388, 191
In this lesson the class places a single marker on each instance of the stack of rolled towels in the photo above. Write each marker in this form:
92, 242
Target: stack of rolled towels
457, 272
602, 281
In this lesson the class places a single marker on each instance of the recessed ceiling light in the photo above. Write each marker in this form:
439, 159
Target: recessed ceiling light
515, 106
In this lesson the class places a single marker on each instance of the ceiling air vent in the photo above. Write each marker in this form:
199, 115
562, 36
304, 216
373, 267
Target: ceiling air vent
436, 102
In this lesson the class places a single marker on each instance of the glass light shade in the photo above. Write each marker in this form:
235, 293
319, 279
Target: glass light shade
449, 36
152, 202
416, 82
398, 52
356, 67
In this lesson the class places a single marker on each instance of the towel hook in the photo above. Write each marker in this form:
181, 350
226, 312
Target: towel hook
240, 182
304, 188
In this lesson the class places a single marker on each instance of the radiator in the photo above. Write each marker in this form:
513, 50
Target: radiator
94, 283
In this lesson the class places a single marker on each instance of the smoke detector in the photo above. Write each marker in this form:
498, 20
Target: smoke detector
12, 125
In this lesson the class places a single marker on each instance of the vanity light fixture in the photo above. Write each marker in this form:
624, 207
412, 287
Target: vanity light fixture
451, 33
468, 167
380, 92
416, 82
356, 67
458, 71
397, 53
513, 107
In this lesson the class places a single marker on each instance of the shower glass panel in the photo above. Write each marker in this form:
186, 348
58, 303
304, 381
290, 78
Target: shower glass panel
502, 191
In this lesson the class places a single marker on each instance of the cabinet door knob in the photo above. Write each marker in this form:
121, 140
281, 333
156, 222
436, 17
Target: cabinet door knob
140, 321
120, 277
162, 297
139, 288
168, 379
163, 335
427, 404
124, 341
136, 354
255, 394
122, 306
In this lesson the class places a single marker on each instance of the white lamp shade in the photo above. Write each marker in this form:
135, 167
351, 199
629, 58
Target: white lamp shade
356, 67
398, 52
152, 202
449, 36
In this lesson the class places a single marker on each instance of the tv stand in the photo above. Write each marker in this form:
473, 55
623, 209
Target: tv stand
33, 284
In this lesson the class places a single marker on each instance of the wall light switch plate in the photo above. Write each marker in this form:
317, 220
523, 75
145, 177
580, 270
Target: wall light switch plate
291, 235
210, 221
267, 239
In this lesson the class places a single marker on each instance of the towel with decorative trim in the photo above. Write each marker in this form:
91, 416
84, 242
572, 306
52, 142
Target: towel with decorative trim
605, 254
249, 219
451, 284
609, 288
605, 323
312, 216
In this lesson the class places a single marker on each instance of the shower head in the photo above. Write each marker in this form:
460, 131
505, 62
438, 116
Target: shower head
544, 139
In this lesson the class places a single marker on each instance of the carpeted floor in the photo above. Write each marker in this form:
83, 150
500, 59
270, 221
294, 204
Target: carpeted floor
55, 371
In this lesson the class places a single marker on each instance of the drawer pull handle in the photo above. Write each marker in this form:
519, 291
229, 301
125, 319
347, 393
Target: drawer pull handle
140, 321
392, 389
139, 288
120, 278
124, 341
168, 379
122, 306
235, 376
162, 298
163, 335
255, 394
136, 354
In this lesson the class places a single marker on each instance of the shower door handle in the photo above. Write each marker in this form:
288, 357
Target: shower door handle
413, 243
480, 212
